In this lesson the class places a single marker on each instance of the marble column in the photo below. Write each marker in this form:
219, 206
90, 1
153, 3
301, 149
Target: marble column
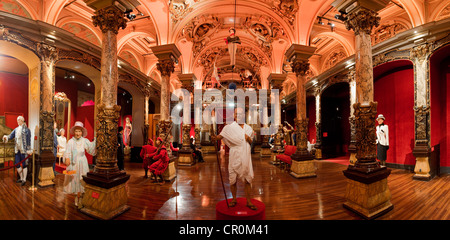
351, 119
185, 157
276, 81
105, 194
48, 55
147, 92
265, 147
167, 56
302, 161
367, 192
419, 56
318, 124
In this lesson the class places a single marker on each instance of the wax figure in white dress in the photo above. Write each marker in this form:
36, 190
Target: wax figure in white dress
382, 140
238, 138
76, 160
62, 143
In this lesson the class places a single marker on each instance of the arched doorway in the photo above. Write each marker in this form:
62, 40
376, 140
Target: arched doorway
335, 111
394, 92
440, 105
20, 56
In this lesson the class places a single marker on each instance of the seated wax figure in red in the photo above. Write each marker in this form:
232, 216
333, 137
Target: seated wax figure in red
161, 161
147, 152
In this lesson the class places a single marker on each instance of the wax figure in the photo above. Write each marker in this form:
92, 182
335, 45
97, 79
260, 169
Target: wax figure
232, 42
22, 148
382, 139
75, 159
147, 152
237, 136
161, 161
198, 153
127, 132
62, 143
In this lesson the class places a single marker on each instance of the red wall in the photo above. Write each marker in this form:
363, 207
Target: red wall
440, 103
394, 92
13, 97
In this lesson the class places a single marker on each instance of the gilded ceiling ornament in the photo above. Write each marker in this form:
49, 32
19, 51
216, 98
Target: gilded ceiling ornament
200, 31
178, 9
109, 19
362, 20
286, 9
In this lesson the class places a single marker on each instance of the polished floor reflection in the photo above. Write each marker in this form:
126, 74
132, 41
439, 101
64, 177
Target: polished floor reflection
195, 192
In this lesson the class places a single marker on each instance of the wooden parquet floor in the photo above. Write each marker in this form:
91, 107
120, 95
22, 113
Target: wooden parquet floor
195, 192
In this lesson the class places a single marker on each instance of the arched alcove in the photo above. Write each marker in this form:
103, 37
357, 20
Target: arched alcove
394, 92
335, 111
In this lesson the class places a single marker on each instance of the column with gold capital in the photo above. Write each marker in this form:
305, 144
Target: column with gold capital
303, 164
167, 56
276, 81
105, 195
367, 192
48, 55
419, 56
185, 153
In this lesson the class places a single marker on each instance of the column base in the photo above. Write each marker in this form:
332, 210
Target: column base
352, 159
318, 154
273, 157
265, 153
206, 149
185, 158
46, 174
303, 169
422, 169
171, 172
104, 204
367, 194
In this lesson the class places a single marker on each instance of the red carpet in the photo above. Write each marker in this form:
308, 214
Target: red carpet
240, 211
340, 160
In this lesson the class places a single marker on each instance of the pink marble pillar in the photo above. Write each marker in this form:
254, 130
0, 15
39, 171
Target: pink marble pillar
48, 55
298, 55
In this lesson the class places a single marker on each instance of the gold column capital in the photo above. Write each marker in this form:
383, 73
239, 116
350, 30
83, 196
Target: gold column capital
109, 19
362, 20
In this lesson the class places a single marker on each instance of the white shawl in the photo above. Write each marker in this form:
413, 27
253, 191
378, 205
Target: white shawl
240, 158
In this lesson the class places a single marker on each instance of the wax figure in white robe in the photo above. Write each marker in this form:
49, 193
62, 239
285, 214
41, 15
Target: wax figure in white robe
237, 138
76, 160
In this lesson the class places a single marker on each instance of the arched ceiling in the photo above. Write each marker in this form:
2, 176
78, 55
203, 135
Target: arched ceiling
198, 28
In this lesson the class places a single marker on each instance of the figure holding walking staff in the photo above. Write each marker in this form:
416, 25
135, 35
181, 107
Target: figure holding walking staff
237, 136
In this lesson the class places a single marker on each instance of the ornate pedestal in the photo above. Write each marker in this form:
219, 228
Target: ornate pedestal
46, 174
367, 193
185, 158
185, 153
105, 203
265, 147
303, 169
422, 168
170, 172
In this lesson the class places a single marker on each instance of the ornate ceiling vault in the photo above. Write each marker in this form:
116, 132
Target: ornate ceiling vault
266, 28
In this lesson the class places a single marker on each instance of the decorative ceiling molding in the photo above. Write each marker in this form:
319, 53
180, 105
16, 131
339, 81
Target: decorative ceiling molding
286, 9
200, 30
